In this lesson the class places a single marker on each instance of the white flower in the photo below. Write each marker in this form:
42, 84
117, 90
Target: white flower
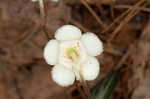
73, 55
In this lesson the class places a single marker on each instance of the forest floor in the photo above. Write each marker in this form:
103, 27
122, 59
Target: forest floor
122, 25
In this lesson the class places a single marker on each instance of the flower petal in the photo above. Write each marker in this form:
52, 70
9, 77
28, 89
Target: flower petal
90, 69
92, 44
51, 52
62, 75
68, 32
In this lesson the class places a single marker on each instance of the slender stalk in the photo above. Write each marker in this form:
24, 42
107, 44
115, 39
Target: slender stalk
42, 11
81, 91
46, 33
43, 18
85, 86
74, 56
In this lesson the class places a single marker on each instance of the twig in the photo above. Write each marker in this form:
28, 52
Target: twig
42, 11
123, 59
122, 15
112, 9
128, 6
46, 33
111, 50
125, 21
93, 13
43, 17
98, 4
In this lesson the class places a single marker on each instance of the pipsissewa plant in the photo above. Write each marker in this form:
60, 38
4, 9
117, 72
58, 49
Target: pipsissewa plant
73, 55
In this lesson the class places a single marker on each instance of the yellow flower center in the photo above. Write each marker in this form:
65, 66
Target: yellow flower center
72, 54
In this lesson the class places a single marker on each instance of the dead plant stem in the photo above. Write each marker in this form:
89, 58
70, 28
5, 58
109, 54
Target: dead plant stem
129, 6
85, 86
43, 18
125, 21
93, 13
122, 15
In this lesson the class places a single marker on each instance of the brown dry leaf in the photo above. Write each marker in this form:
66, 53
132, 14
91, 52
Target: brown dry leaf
30, 82
20, 21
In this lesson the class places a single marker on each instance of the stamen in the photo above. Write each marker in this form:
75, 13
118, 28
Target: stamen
72, 53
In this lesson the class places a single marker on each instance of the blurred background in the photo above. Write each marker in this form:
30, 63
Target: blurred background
122, 25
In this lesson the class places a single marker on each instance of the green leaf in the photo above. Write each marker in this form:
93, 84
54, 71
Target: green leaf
106, 86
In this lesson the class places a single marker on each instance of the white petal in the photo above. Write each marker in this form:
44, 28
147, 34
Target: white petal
51, 52
68, 32
62, 76
92, 44
90, 69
